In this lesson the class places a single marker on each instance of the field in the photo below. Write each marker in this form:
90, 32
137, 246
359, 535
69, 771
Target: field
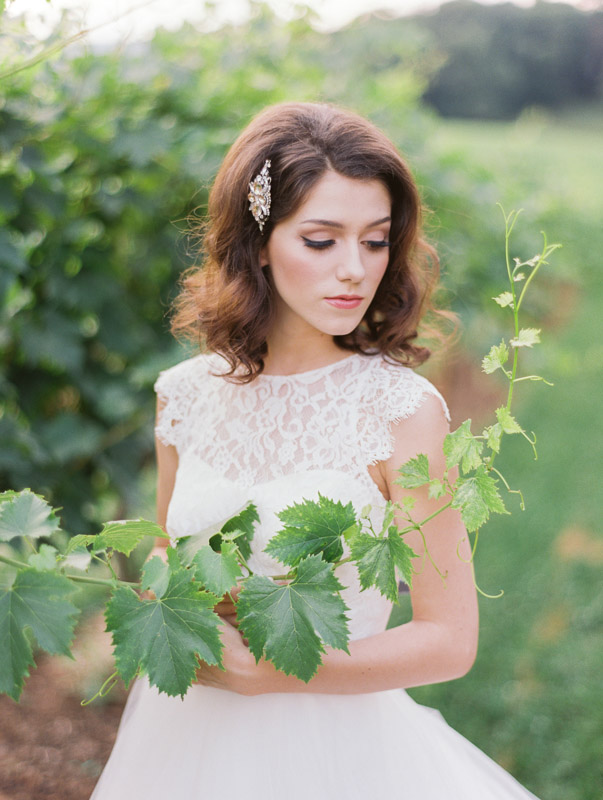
530, 699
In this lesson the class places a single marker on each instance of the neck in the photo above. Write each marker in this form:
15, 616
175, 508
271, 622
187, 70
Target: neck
301, 350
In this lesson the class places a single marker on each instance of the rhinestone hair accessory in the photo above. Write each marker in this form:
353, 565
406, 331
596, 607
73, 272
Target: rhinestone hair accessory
259, 196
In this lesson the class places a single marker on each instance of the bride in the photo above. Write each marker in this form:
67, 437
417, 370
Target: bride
314, 283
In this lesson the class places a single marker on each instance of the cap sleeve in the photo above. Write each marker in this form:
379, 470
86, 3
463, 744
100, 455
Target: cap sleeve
395, 393
175, 389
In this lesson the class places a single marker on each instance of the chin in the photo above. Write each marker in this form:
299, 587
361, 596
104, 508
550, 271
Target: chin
339, 328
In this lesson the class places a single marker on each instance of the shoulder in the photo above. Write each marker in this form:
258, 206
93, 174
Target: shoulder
183, 376
393, 402
397, 392
177, 388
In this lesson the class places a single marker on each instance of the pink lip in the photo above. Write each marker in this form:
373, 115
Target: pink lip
345, 301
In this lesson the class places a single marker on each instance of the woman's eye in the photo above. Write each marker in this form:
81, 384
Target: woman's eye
319, 244
374, 245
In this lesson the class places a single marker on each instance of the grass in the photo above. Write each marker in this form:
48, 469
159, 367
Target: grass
531, 699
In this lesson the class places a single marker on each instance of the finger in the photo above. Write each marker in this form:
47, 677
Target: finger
223, 608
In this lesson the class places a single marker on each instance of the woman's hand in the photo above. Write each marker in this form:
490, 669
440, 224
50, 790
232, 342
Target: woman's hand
227, 608
240, 670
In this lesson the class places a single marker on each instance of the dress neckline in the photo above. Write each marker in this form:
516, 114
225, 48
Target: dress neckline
309, 373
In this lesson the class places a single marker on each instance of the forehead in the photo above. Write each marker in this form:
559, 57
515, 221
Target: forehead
336, 196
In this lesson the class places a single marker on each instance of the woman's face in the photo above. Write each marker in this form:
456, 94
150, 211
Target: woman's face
327, 259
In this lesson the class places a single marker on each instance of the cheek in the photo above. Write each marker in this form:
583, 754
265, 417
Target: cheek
295, 273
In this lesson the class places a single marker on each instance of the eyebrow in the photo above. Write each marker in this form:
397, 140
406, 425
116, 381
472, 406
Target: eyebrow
328, 223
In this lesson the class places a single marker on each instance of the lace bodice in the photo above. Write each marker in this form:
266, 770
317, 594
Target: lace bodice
280, 439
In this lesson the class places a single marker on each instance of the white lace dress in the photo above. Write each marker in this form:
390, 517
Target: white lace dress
273, 442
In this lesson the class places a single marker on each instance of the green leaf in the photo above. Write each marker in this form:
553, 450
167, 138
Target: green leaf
155, 576
26, 514
477, 497
218, 572
79, 541
237, 528
244, 522
163, 637
507, 422
120, 535
290, 624
124, 535
461, 447
79, 559
527, 338
505, 299
45, 558
436, 489
38, 601
377, 559
413, 473
496, 358
494, 435
311, 528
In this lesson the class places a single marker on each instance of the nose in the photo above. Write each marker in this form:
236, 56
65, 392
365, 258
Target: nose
351, 267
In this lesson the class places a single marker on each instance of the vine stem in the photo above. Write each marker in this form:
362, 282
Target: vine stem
12, 562
414, 527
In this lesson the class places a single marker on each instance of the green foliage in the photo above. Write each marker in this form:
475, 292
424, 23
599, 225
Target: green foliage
37, 601
26, 514
218, 572
164, 637
461, 447
477, 496
91, 243
377, 559
312, 528
289, 623
415, 472
498, 60
287, 619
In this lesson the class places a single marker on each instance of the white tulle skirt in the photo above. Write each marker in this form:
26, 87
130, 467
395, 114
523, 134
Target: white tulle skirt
216, 745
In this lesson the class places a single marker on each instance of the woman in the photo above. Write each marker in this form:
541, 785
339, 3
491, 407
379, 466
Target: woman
315, 280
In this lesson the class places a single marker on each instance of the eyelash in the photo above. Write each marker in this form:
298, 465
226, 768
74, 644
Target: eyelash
323, 245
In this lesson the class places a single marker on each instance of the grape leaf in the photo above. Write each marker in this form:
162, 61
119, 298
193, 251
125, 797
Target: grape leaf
311, 528
494, 435
26, 514
123, 535
290, 624
238, 528
507, 422
527, 338
377, 559
45, 558
496, 358
477, 496
461, 447
36, 600
244, 522
436, 489
79, 541
505, 299
414, 473
155, 576
218, 572
164, 636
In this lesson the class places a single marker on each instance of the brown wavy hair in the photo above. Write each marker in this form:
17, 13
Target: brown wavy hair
227, 304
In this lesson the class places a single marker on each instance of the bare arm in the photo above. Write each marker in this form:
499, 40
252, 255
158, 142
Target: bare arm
441, 640
167, 464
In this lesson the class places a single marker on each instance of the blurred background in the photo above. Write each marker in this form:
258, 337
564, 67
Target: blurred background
110, 134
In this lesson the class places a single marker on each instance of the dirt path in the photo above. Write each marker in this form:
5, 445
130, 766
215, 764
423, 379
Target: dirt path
52, 748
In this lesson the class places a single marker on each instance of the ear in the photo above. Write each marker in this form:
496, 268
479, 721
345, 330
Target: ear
264, 260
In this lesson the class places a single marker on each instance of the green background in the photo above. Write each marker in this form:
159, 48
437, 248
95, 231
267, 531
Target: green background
103, 156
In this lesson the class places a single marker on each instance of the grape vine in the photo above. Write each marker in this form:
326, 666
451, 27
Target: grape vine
163, 624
